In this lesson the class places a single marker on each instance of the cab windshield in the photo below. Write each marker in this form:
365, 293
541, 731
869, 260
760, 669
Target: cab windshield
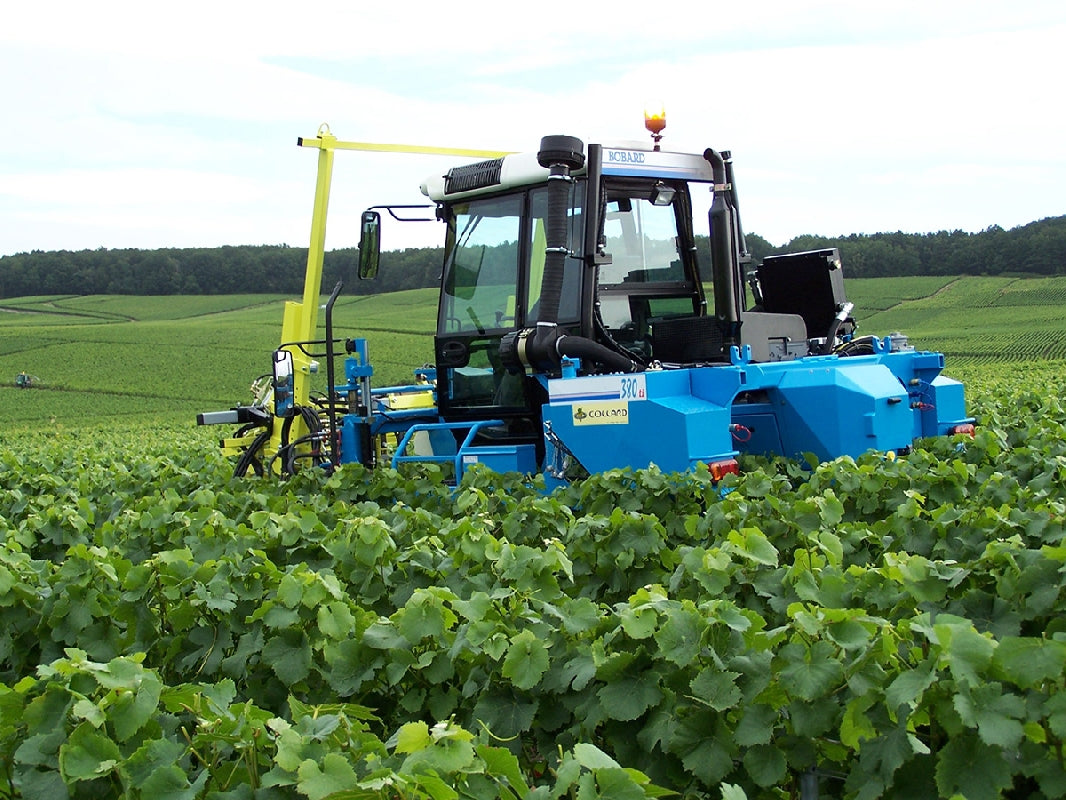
481, 276
493, 276
495, 266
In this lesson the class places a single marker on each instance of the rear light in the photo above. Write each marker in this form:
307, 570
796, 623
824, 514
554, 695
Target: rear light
966, 427
719, 469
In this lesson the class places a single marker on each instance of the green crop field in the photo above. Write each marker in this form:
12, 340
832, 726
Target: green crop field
878, 294
110, 360
986, 320
869, 628
883, 627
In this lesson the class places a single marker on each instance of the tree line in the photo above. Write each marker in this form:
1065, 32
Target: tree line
242, 269
1037, 248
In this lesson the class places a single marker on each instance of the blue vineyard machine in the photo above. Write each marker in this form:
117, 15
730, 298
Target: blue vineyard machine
598, 309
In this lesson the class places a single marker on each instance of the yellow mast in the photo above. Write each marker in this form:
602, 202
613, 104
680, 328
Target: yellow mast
300, 320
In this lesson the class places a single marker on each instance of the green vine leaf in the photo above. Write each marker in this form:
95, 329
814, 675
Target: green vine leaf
335, 775
526, 660
87, 754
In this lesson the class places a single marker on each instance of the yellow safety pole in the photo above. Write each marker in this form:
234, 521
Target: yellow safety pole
300, 320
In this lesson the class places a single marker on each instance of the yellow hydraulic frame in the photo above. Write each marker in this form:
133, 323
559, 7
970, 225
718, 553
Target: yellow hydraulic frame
300, 321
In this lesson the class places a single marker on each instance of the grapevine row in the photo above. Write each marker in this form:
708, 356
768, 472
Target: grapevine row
892, 627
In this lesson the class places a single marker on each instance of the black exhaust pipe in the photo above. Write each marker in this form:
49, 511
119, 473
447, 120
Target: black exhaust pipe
725, 269
561, 155
542, 348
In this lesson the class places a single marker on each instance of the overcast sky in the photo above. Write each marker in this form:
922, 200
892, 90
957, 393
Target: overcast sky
141, 124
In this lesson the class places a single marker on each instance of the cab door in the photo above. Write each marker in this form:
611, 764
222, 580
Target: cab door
478, 305
491, 285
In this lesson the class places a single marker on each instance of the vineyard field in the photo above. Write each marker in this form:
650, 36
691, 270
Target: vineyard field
879, 294
165, 359
878, 628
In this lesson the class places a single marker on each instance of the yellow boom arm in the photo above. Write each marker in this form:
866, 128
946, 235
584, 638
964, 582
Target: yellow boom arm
300, 320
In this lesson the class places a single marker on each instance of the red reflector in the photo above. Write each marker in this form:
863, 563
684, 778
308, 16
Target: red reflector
966, 427
719, 469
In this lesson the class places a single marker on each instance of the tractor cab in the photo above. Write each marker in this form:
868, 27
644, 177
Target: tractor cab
617, 264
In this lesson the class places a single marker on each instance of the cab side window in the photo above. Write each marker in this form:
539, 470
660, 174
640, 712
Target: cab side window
647, 279
482, 270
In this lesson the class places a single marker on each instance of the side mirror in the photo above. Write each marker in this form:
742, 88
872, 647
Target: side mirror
283, 384
369, 245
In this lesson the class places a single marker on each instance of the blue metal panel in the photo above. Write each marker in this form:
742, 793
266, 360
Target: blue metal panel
843, 407
358, 365
350, 426
719, 384
502, 458
759, 431
832, 406
825, 405
829, 406
938, 402
634, 421
949, 403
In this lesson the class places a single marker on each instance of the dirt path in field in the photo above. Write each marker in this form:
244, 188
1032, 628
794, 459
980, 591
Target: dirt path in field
945, 287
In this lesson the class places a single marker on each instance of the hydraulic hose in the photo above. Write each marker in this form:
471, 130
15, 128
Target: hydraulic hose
288, 449
580, 347
838, 320
863, 346
250, 457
